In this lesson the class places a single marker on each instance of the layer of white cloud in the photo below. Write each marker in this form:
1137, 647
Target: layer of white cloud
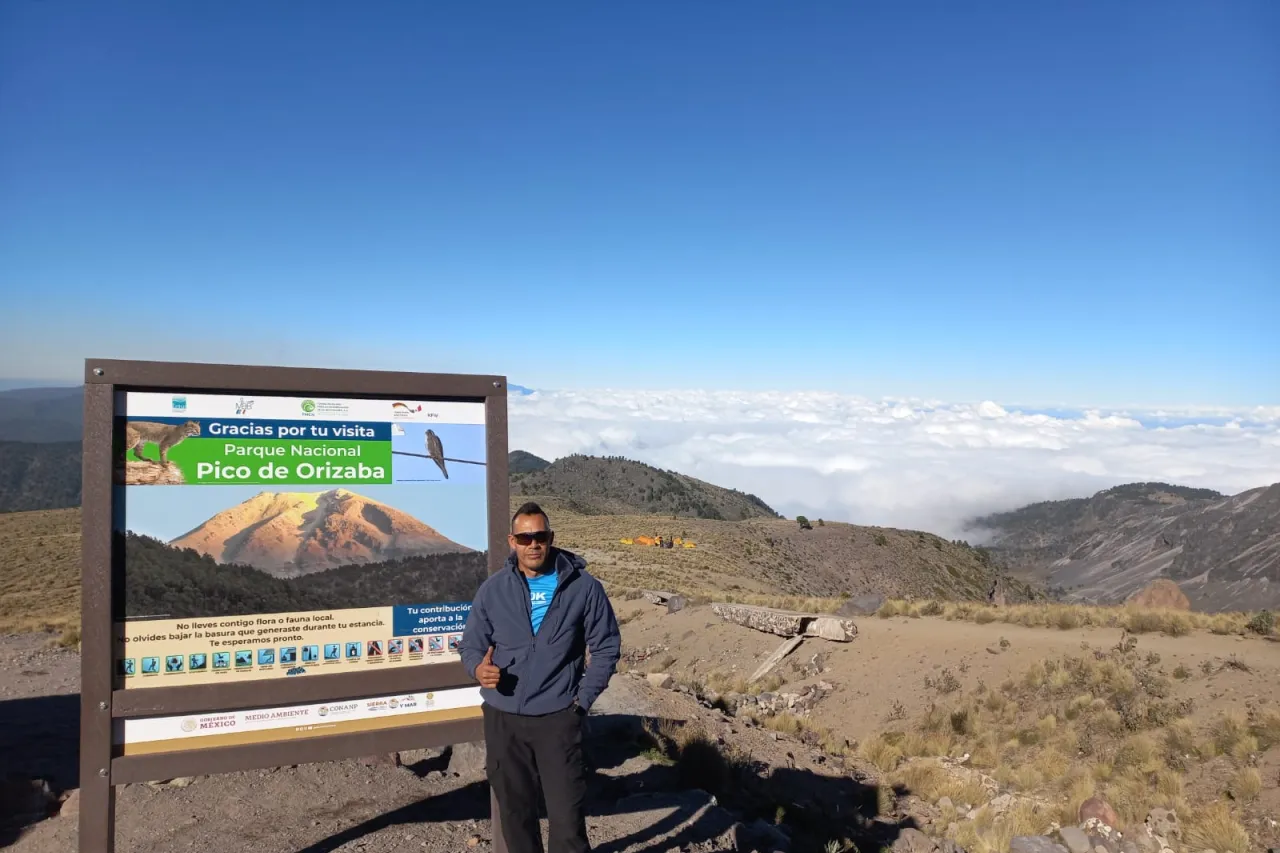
901, 463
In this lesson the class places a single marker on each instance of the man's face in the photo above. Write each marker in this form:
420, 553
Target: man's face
531, 539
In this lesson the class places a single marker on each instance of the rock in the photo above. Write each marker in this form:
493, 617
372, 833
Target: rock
764, 836
660, 680
787, 647
654, 596
70, 807
945, 803
1129, 846
913, 841
831, 628
473, 841
1096, 807
863, 605
995, 596
1035, 844
1141, 839
178, 782
1096, 826
410, 757
1163, 824
1076, 839
1160, 594
26, 798
676, 603
390, 759
1001, 804
761, 618
467, 759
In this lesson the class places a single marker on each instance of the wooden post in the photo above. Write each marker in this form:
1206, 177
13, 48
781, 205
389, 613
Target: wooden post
97, 795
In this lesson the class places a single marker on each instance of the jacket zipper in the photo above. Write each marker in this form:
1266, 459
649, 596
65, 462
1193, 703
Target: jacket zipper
528, 609
533, 638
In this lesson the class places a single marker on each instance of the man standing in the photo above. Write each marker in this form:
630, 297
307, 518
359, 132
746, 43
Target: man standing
525, 641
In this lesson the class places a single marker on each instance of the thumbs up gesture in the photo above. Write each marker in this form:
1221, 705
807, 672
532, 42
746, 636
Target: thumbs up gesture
486, 673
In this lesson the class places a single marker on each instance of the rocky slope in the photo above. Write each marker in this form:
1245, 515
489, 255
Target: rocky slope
39, 476
1223, 551
594, 485
764, 556
293, 533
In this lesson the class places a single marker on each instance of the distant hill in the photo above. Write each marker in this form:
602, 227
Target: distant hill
39, 476
772, 557
1224, 552
595, 485
42, 414
522, 462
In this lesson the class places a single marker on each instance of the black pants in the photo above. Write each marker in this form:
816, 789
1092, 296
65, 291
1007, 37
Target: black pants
524, 754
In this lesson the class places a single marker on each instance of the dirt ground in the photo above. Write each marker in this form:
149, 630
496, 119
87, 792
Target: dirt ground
433, 801
888, 661
879, 679
439, 802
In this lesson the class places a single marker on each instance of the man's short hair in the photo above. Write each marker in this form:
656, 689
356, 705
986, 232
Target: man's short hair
531, 508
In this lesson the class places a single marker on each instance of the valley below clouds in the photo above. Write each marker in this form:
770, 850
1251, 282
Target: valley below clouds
901, 463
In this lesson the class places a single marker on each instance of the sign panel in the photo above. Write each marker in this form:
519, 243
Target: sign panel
148, 735
271, 537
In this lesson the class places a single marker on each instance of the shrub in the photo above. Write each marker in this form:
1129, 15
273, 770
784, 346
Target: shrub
1263, 623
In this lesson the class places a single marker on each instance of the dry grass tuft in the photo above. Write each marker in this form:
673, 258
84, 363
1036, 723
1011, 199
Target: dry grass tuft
699, 760
1266, 728
731, 682
1068, 617
1247, 785
881, 752
1231, 735
1106, 722
987, 833
1214, 827
929, 779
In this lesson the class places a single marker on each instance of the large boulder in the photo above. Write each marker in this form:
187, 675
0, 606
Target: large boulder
1160, 594
761, 618
831, 628
862, 605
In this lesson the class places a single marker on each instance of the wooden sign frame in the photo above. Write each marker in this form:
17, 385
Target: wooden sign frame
102, 767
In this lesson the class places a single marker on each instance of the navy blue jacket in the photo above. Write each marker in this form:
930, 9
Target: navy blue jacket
543, 674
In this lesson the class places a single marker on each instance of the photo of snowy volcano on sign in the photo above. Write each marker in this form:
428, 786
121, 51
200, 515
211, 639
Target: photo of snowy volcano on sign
287, 534
294, 551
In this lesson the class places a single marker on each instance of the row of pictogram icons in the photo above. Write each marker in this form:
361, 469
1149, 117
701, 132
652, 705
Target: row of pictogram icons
246, 659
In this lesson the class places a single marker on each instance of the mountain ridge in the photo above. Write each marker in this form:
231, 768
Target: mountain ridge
1222, 550
614, 485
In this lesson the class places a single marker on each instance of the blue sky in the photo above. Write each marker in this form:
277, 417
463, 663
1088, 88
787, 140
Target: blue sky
1071, 203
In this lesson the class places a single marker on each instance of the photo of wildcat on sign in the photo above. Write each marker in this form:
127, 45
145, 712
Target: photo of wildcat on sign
135, 469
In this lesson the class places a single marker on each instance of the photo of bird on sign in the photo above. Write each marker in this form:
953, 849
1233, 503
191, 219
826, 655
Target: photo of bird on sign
438, 453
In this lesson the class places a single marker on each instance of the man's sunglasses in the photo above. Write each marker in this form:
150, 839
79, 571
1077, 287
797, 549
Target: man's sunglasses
539, 536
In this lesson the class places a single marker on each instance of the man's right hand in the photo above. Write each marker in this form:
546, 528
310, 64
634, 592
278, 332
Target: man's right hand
486, 673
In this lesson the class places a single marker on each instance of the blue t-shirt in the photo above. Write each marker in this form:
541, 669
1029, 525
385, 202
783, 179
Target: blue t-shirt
541, 588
